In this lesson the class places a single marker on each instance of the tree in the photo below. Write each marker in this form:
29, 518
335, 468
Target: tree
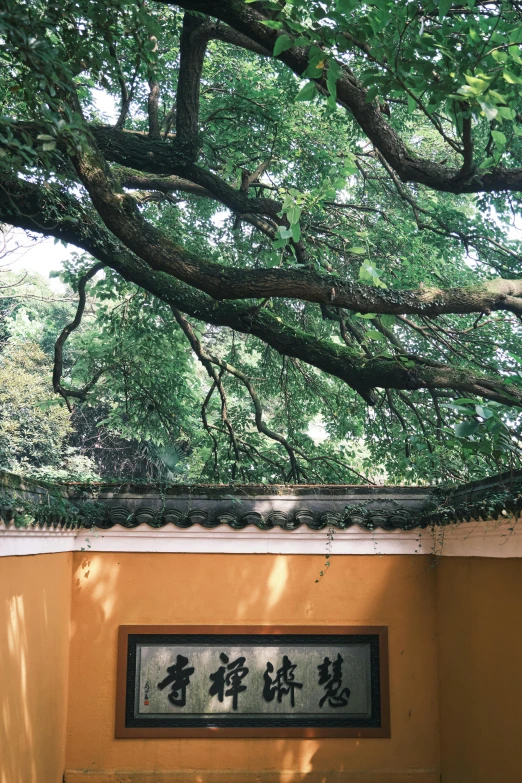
31, 427
320, 196
109, 437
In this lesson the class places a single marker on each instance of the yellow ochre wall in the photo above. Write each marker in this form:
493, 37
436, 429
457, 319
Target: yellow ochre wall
480, 664
35, 599
455, 659
124, 589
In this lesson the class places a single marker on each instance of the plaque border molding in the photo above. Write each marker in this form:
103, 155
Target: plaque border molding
123, 731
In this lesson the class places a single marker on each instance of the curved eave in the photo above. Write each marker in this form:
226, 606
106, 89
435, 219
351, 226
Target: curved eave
284, 507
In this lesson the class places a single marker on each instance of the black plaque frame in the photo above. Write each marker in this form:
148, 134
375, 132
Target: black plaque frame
127, 725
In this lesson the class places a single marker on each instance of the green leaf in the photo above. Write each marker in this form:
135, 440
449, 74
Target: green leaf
293, 214
484, 413
514, 53
283, 42
499, 139
358, 251
370, 274
498, 97
499, 56
506, 113
511, 78
477, 84
371, 93
466, 428
296, 232
489, 110
307, 92
486, 163
333, 74
452, 407
373, 334
444, 7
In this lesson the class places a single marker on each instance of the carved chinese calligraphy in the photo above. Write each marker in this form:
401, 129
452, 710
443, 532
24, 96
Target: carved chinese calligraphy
230, 676
330, 681
330, 675
178, 678
282, 684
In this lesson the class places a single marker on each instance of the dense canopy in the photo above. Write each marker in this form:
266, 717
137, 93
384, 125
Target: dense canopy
299, 215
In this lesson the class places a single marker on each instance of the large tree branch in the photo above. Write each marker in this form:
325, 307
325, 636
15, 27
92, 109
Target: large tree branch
166, 158
135, 180
152, 108
249, 22
121, 216
136, 152
193, 42
154, 93
53, 213
227, 34
64, 334
148, 165
125, 96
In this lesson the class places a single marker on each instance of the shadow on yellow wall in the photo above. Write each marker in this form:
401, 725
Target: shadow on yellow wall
112, 589
34, 656
480, 651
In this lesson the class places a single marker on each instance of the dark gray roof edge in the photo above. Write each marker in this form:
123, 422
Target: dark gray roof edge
13, 481
247, 491
129, 505
473, 489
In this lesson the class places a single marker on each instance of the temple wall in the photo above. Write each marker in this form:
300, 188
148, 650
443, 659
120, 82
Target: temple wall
35, 598
480, 654
112, 589
455, 642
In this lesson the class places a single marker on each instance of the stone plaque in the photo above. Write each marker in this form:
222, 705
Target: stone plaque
242, 682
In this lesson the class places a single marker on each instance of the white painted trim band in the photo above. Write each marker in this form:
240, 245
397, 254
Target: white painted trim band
469, 539
16, 541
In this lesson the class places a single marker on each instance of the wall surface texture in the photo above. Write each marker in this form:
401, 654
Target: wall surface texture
129, 588
34, 652
455, 641
480, 654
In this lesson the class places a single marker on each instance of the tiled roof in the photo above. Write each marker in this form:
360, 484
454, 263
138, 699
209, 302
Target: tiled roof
239, 506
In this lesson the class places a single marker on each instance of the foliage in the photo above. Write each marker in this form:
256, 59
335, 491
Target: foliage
33, 424
38, 436
50, 508
306, 212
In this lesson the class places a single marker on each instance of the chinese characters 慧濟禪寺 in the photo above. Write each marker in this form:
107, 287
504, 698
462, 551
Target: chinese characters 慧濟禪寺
283, 683
178, 678
230, 676
227, 680
331, 676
